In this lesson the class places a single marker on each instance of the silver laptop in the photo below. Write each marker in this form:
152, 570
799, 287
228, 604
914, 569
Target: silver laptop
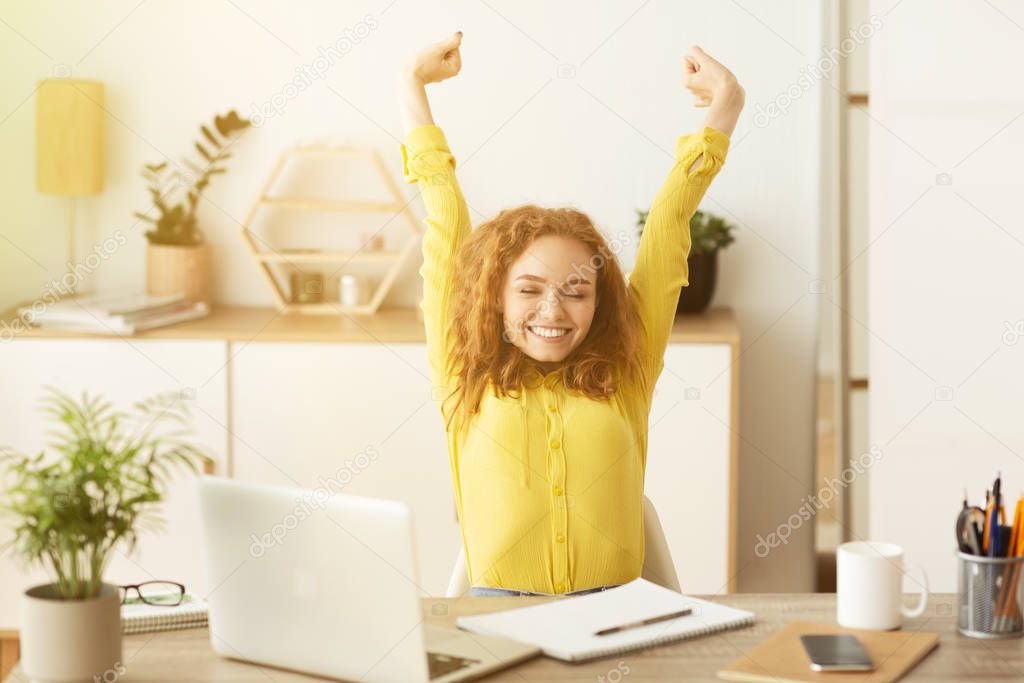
328, 586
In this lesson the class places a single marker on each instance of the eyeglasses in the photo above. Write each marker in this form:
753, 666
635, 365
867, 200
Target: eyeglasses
164, 593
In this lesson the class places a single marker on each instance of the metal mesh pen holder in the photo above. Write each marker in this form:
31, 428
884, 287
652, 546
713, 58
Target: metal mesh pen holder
990, 592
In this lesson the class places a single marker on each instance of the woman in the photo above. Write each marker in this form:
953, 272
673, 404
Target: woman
544, 358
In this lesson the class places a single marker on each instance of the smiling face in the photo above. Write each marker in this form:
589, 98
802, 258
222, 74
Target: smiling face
549, 299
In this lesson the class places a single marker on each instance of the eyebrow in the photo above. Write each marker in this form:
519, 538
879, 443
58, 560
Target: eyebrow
536, 278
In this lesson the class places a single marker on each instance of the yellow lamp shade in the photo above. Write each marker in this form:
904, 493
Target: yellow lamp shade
69, 137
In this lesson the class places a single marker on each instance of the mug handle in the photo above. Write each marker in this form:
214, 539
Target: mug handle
923, 602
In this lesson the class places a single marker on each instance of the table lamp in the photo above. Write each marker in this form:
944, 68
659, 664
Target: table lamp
69, 144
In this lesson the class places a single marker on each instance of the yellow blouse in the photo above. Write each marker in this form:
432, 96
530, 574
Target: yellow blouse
549, 486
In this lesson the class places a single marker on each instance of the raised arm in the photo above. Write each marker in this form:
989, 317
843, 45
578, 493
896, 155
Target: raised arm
661, 270
428, 162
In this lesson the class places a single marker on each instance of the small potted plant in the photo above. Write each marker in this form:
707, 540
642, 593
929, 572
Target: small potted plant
178, 256
708, 234
72, 507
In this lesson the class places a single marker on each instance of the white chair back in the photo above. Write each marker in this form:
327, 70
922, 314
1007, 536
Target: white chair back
658, 566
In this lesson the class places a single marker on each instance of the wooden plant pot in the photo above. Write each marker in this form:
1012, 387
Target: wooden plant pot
171, 268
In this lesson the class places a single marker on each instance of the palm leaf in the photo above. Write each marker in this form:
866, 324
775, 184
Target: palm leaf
69, 513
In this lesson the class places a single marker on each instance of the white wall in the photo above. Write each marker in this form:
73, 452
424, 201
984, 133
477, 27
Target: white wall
945, 275
600, 140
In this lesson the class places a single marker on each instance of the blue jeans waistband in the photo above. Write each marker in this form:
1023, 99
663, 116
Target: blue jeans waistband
490, 591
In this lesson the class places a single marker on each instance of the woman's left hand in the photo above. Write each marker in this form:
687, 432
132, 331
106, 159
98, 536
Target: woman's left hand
709, 81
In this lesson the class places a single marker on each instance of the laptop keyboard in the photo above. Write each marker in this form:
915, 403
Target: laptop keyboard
441, 664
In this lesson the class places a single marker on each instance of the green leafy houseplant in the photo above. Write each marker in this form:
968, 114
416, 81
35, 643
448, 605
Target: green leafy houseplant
104, 484
708, 232
175, 222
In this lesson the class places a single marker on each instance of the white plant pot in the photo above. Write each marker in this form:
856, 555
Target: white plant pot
71, 641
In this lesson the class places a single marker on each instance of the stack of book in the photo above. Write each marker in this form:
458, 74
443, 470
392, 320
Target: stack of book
142, 618
114, 314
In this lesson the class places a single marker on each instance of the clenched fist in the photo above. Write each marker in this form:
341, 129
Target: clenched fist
438, 62
709, 81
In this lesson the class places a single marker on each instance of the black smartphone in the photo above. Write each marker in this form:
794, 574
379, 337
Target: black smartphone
836, 652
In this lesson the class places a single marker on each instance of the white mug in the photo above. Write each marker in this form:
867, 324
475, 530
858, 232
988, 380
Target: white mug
869, 586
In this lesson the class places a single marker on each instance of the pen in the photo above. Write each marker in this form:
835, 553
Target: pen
643, 622
984, 532
994, 530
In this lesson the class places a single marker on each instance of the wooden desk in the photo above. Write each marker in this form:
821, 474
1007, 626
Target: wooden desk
186, 655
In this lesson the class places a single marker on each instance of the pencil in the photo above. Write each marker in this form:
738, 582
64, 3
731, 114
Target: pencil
1007, 607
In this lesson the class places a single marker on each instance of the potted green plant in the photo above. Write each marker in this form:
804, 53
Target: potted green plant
103, 480
178, 256
708, 234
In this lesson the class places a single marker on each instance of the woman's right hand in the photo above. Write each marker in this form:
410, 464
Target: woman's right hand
438, 62
715, 87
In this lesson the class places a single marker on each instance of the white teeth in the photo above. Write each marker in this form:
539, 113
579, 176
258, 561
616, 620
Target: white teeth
549, 332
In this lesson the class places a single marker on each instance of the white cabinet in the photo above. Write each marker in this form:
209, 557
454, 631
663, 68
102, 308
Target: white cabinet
359, 418
352, 418
689, 460
122, 371
337, 406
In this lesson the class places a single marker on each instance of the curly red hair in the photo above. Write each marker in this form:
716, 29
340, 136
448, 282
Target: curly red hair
607, 356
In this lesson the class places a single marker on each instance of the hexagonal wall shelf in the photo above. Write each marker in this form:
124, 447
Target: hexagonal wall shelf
393, 259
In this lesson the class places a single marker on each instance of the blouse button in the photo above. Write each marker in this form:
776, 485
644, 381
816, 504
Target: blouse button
559, 588
557, 490
560, 538
555, 444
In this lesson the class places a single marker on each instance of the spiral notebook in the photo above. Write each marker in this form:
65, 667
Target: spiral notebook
566, 629
142, 618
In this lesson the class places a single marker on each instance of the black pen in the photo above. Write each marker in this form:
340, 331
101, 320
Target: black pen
643, 622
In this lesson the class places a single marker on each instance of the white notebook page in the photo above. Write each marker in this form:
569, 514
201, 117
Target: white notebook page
565, 629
